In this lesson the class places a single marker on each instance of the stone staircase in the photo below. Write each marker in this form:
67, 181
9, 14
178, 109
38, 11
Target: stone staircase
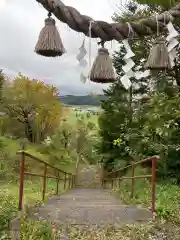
89, 176
86, 206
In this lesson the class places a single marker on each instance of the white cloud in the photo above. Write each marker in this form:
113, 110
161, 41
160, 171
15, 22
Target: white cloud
20, 24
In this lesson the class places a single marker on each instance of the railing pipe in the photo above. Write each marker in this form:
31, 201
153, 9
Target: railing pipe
44, 182
69, 178
44, 176
21, 187
57, 184
65, 181
154, 160
132, 182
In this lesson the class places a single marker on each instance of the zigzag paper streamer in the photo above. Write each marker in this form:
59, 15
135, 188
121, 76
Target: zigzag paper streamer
172, 42
82, 61
129, 73
129, 65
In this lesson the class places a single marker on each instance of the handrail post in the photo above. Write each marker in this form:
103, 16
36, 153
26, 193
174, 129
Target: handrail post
132, 182
57, 186
154, 160
65, 180
72, 181
102, 178
102, 182
119, 179
116, 180
21, 187
44, 182
69, 181
112, 183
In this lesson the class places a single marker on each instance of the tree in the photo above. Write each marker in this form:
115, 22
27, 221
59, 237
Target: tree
164, 4
60, 145
113, 122
159, 121
141, 47
117, 120
34, 105
72, 143
2, 79
150, 125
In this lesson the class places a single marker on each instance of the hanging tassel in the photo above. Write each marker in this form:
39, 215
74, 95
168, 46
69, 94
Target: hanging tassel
49, 43
102, 70
159, 57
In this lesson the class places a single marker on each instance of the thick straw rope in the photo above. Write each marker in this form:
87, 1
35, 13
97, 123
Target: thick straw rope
108, 31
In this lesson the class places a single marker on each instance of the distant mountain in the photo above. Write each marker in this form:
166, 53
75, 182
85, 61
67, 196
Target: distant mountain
82, 100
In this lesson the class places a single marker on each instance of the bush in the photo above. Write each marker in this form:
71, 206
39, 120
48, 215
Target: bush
9, 163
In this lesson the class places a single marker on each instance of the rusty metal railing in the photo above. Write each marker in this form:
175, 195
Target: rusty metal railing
68, 178
152, 176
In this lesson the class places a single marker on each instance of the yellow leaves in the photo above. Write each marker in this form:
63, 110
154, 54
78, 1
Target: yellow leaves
33, 90
117, 142
34, 100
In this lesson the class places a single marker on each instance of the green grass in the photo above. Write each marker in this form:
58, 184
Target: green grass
72, 119
9, 195
167, 196
10, 160
9, 179
38, 230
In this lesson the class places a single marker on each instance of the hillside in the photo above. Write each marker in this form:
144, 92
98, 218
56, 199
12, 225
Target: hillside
82, 100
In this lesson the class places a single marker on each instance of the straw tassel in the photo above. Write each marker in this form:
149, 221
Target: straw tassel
49, 43
159, 57
102, 70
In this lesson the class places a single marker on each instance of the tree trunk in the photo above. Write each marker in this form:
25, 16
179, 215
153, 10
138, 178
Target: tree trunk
130, 104
29, 131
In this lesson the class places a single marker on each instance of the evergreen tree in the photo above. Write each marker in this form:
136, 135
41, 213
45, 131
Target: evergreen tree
116, 121
113, 122
126, 112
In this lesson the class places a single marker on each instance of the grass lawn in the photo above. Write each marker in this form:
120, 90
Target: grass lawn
9, 194
72, 118
167, 196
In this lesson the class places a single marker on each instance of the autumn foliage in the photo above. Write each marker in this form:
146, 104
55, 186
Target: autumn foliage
31, 107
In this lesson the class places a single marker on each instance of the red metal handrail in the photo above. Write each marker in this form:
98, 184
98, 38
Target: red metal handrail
71, 177
153, 160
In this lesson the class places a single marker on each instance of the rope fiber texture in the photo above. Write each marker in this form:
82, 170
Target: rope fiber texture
109, 31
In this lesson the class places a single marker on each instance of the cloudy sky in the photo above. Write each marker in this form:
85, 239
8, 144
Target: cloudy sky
20, 24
